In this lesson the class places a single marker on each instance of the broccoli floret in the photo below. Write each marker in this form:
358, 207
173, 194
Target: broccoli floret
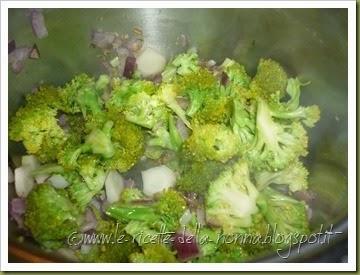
270, 78
232, 192
167, 94
243, 123
212, 142
164, 212
99, 141
196, 85
117, 250
166, 137
92, 172
145, 110
182, 64
154, 253
236, 73
129, 195
295, 176
50, 216
216, 109
291, 109
286, 215
276, 144
45, 96
123, 91
128, 141
79, 192
197, 175
37, 128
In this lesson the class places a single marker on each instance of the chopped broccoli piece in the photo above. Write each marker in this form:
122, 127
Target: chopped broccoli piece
131, 194
232, 192
50, 216
236, 73
117, 250
270, 78
286, 215
276, 145
295, 176
212, 142
37, 128
182, 64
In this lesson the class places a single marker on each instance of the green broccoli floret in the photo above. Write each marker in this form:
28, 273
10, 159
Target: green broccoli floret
37, 128
276, 144
286, 215
50, 216
243, 123
270, 78
167, 94
196, 85
117, 250
128, 142
292, 110
92, 172
212, 142
154, 253
236, 73
166, 136
45, 96
232, 192
145, 110
182, 64
78, 190
129, 195
164, 212
123, 90
197, 175
216, 108
295, 176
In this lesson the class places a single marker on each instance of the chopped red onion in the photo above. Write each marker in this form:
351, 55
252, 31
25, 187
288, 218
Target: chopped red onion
157, 79
17, 58
186, 246
130, 66
224, 79
34, 53
102, 40
135, 44
129, 183
11, 46
17, 210
90, 221
38, 24
306, 196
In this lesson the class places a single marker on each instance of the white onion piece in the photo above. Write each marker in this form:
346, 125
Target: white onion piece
185, 218
114, 185
150, 62
157, 179
41, 178
58, 181
31, 162
11, 177
24, 182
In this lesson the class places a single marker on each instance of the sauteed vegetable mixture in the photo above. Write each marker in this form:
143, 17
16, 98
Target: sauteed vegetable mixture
176, 167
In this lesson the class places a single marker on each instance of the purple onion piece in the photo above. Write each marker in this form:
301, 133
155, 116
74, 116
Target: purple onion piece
38, 24
17, 58
157, 79
306, 196
134, 44
90, 221
34, 53
17, 209
129, 183
224, 79
185, 246
11, 46
102, 40
182, 129
130, 66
